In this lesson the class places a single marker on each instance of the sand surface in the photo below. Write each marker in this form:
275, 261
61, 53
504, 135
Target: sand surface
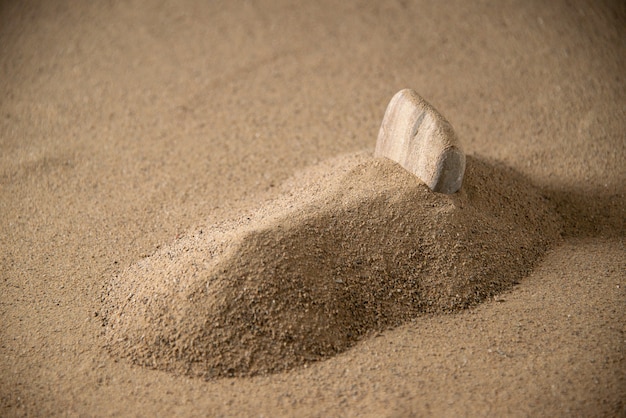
126, 128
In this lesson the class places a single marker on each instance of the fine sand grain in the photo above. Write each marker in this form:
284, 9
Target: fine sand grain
192, 222
311, 273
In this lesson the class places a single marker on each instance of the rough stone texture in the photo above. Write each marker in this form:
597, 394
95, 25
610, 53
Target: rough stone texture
422, 141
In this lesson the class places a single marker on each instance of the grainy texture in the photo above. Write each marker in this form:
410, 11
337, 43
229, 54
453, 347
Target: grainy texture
125, 127
308, 275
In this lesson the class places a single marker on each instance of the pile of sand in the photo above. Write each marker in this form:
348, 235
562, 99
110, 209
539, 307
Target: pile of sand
354, 245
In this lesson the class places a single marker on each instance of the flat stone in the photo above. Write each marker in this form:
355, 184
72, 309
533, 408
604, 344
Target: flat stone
422, 141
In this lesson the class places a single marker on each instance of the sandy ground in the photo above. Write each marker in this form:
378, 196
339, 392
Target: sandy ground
123, 125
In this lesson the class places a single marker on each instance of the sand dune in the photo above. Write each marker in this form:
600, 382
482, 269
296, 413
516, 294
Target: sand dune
309, 274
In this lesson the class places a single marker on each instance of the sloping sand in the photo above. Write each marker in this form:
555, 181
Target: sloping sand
191, 221
311, 273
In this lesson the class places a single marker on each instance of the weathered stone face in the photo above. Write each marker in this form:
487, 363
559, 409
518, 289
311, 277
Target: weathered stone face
422, 141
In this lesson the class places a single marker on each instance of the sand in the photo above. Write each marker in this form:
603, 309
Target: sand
128, 128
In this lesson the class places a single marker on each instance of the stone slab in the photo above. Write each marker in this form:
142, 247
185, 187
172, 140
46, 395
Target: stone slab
415, 135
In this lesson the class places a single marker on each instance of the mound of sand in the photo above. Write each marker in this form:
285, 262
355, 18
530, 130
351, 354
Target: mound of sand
354, 245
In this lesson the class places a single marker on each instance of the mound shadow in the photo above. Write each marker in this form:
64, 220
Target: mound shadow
307, 276
590, 213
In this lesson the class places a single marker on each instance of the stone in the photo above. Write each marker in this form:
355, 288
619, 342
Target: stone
416, 136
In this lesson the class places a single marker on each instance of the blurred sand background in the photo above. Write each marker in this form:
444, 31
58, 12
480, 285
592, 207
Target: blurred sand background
125, 124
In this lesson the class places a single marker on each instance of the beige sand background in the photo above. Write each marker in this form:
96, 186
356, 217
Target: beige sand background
125, 124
